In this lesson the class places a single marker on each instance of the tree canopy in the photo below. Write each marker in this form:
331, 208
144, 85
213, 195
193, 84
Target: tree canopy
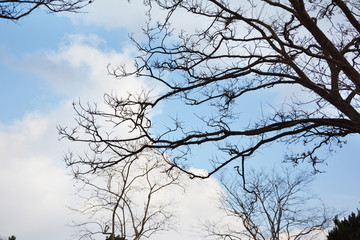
348, 229
116, 238
228, 73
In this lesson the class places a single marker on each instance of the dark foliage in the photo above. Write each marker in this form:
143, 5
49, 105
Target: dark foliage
116, 238
346, 229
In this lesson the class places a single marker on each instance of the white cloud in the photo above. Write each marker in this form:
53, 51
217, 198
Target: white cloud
33, 190
79, 68
196, 204
133, 15
112, 14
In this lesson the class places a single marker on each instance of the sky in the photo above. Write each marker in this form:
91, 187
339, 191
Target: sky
47, 61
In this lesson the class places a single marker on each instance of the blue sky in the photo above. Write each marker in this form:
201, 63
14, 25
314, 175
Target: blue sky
49, 60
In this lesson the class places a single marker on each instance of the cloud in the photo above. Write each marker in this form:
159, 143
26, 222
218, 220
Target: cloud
33, 190
197, 203
112, 14
78, 68
132, 17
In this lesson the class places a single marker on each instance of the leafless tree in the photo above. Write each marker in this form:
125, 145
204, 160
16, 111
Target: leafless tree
16, 9
271, 206
249, 50
125, 201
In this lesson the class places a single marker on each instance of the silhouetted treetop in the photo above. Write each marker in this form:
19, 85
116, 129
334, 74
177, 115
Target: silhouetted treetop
348, 229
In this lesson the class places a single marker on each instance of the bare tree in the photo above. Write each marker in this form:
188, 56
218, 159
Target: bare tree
16, 9
123, 202
270, 206
248, 51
